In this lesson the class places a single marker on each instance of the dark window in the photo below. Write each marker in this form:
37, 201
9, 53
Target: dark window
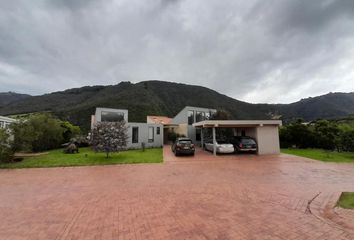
199, 116
135, 137
157, 130
243, 133
190, 117
198, 135
151, 134
112, 116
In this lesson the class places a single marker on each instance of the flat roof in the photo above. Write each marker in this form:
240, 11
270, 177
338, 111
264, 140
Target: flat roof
237, 123
7, 119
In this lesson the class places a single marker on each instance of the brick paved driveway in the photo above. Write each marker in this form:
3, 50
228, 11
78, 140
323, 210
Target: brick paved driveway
205, 197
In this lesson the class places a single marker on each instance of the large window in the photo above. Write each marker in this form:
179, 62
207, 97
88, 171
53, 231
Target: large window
151, 134
190, 117
199, 116
135, 135
112, 116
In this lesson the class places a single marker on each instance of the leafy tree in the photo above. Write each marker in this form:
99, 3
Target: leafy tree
38, 132
109, 137
70, 131
327, 134
24, 134
347, 141
298, 134
6, 152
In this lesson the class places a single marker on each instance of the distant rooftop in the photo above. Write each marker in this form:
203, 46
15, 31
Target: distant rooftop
160, 119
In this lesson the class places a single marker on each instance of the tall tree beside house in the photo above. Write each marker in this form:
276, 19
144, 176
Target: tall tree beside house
327, 134
347, 141
109, 137
41, 132
6, 152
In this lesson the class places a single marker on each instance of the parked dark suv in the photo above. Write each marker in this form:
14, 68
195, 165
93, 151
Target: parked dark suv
183, 146
244, 144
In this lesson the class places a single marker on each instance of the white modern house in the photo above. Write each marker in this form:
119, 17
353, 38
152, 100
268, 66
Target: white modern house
150, 134
265, 132
185, 119
192, 122
5, 121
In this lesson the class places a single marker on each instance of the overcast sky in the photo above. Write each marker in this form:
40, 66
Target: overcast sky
255, 50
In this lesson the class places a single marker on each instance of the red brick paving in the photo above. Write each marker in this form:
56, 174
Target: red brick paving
201, 197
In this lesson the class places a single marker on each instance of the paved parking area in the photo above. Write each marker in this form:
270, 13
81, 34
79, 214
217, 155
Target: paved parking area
202, 197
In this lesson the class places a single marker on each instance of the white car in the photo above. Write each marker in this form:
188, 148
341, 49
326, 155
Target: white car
221, 147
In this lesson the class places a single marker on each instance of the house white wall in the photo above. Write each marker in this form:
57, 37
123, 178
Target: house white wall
5, 121
268, 140
143, 134
182, 118
143, 129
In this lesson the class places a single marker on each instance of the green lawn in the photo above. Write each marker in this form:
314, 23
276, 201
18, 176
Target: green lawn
56, 158
346, 200
319, 154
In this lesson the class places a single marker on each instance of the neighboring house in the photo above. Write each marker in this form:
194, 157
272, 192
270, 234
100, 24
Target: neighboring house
189, 115
151, 134
6, 121
158, 119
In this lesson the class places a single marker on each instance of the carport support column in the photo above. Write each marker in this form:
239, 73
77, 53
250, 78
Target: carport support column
201, 137
214, 141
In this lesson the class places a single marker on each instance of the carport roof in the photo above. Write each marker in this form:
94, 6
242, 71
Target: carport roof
237, 123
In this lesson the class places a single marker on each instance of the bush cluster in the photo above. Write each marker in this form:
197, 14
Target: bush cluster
324, 134
41, 132
6, 151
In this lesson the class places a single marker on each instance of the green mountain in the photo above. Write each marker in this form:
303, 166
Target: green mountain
10, 97
166, 98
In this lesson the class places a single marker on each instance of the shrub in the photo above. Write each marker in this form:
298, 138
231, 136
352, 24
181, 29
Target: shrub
109, 137
347, 141
70, 131
80, 141
326, 134
41, 132
298, 135
71, 149
6, 150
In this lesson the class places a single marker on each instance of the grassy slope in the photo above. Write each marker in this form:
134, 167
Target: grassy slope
56, 158
346, 200
322, 155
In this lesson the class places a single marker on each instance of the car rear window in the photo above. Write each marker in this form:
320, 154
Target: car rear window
185, 141
248, 141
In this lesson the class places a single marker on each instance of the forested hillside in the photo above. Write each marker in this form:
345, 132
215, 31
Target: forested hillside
166, 98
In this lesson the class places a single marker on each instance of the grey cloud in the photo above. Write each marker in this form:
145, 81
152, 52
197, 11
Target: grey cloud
258, 51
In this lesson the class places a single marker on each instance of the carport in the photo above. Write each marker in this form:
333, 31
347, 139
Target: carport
265, 132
